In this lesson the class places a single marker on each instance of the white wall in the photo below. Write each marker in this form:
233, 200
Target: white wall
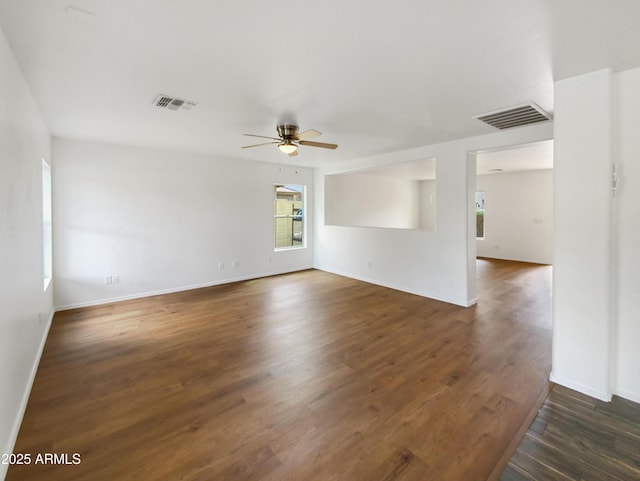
518, 216
596, 275
364, 200
163, 221
427, 204
627, 376
372, 201
582, 246
437, 264
26, 309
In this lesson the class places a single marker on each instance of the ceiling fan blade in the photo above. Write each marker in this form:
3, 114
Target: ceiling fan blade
307, 134
293, 154
262, 136
322, 145
258, 145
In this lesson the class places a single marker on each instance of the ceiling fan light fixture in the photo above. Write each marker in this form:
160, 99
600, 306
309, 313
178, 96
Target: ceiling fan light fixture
288, 147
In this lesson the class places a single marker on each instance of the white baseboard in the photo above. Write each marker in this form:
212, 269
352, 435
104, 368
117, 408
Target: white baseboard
25, 396
635, 397
396, 287
140, 295
603, 396
542, 262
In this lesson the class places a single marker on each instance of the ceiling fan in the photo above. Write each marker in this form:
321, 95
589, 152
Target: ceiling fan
289, 139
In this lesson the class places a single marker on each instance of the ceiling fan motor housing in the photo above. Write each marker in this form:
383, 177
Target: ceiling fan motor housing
287, 131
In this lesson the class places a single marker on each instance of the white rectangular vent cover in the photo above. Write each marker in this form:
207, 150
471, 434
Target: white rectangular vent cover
515, 116
172, 103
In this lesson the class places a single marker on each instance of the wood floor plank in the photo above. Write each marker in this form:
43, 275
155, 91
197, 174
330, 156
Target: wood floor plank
307, 376
535, 465
580, 438
511, 473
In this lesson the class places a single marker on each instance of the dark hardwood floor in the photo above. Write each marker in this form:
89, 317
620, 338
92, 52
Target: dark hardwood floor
306, 376
576, 437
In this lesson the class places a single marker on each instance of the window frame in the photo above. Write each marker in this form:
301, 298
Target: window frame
483, 210
47, 225
303, 218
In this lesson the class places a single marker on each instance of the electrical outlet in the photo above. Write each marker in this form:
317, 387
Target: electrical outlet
369, 264
108, 280
115, 278
220, 265
234, 263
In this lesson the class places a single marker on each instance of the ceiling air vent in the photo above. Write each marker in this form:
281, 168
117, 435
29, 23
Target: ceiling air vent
172, 103
515, 116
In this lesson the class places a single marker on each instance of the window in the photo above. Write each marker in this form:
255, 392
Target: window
288, 216
479, 215
47, 235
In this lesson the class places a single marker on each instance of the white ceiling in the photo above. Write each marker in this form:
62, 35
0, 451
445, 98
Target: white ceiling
373, 77
413, 170
533, 156
519, 158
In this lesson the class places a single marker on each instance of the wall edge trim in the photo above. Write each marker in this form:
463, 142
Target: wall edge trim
27, 392
396, 287
595, 393
140, 295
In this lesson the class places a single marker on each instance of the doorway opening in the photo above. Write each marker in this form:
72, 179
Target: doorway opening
511, 210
